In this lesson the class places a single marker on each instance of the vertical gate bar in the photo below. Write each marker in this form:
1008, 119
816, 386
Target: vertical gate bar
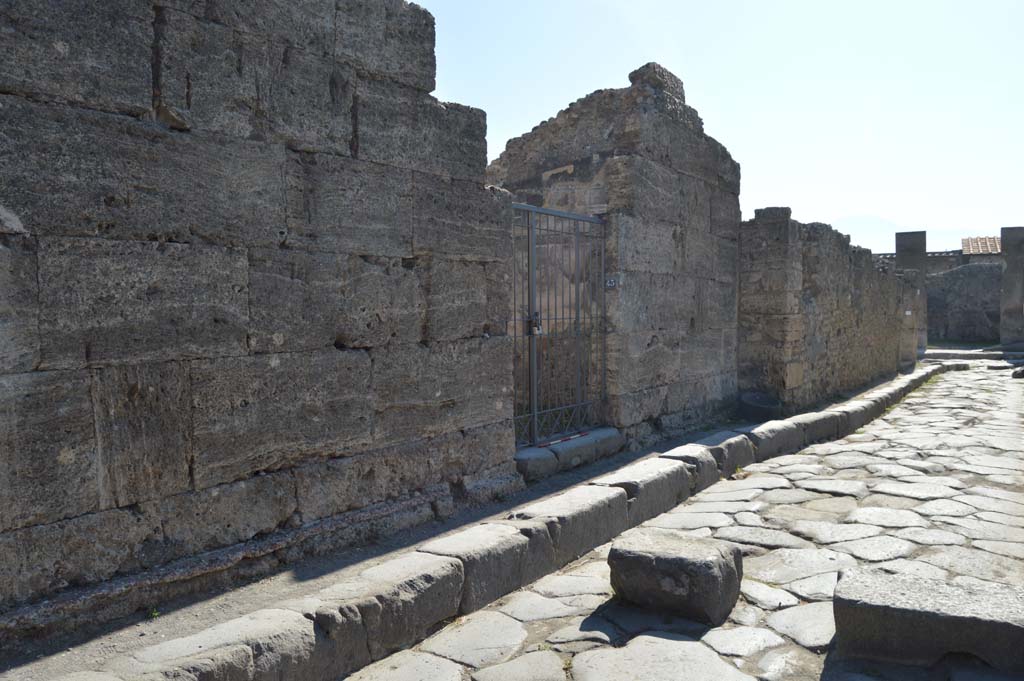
578, 321
534, 320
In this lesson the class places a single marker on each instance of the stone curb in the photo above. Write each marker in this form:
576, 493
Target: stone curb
537, 463
398, 603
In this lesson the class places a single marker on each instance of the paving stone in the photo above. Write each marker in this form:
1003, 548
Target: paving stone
789, 496
746, 615
811, 625
840, 461
543, 665
888, 501
903, 619
527, 606
478, 640
946, 480
851, 488
928, 536
791, 663
979, 529
560, 585
1001, 518
832, 504
784, 514
885, 517
590, 628
634, 620
946, 507
976, 563
689, 521
749, 519
891, 470
1011, 549
695, 578
736, 495
923, 466
917, 568
742, 641
996, 493
408, 665
986, 503
824, 532
923, 491
816, 588
698, 506
655, 657
766, 597
788, 565
760, 536
762, 481
877, 548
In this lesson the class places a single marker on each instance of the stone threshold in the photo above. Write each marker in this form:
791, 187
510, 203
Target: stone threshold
398, 603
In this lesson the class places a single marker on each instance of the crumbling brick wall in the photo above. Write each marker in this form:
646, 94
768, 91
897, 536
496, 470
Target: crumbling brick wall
963, 303
815, 316
251, 284
639, 157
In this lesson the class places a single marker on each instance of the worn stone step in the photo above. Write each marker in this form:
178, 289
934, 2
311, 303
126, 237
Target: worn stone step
905, 619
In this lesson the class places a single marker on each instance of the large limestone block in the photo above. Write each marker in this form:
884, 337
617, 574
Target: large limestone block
704, 468
43, 559
220, 516
416, 592
264, 645
304, 301
402, 127
464, 298
424, 390
94, 53
271, 411
215, 78
48, 448
667, 570
536, 463
392, 38
459, 218
902, 618
19, 303
580, 519
776, 437
119, 175
104, 301
143, 430
343, 205
652, 485
493, 559
593, 445
540, 550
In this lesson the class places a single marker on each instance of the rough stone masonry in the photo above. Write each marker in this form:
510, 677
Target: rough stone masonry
251, 282
255, 291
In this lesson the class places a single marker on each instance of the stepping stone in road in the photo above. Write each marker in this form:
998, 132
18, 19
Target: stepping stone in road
905, 619
661, 569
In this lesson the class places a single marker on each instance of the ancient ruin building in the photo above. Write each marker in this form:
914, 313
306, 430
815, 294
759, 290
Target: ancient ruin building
261, 296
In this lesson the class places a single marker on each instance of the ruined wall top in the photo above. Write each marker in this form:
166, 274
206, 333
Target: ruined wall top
649, 118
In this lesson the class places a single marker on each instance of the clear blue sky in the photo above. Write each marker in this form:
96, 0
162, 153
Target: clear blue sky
873, 116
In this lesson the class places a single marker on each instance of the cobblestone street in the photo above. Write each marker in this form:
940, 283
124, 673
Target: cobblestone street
933, 489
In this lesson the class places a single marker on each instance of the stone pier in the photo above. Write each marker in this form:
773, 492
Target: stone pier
1011, 325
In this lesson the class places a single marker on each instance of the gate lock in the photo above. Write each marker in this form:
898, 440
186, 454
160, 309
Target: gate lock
535, 328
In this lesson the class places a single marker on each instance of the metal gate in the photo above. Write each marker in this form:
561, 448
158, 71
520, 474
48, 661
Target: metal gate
558, 297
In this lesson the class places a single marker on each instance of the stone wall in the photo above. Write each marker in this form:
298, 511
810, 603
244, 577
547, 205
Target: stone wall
815, 316
669, 194
1011, 317
963, 304
250, 281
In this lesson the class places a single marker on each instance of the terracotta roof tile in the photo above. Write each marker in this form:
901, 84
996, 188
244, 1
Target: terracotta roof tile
980, 245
